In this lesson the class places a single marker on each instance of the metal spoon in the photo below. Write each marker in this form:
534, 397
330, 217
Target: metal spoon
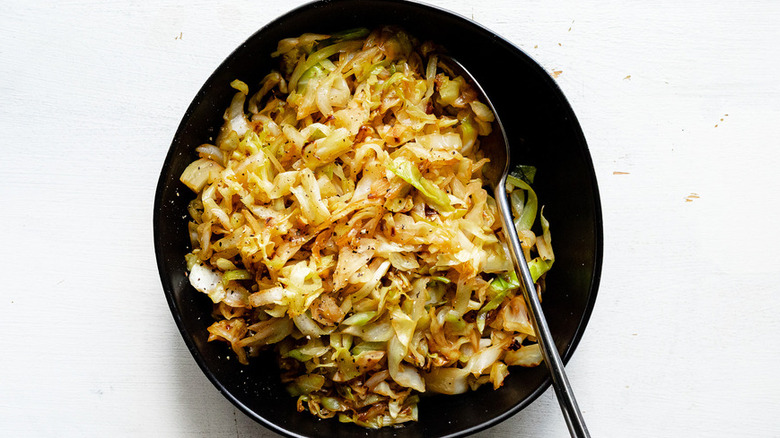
496, 148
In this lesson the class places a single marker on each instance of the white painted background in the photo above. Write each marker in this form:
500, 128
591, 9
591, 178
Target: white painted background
679, 101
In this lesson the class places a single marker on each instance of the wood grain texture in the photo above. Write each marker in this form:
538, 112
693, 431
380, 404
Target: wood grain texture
678, 101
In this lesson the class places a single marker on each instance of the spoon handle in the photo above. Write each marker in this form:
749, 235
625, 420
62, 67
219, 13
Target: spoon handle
571, 410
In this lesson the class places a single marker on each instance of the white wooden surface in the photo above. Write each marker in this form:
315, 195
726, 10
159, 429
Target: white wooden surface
678, 101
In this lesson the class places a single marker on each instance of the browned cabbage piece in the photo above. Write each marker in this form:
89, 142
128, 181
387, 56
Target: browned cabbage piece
341, 219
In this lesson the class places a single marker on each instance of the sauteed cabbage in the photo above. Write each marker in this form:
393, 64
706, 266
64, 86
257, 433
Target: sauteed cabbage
341, 219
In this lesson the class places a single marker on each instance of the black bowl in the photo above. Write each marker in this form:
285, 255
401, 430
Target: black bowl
542, 130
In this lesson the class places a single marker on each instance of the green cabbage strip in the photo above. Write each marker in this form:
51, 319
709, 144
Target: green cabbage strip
444, 280
528, 215
449, 90
345, 35
408, 172
539, 265
333, 404
191, 260
469, 133
306, 384
344, 360
314, 71
368, 346
374, 69
236, 274
298, 355
457, 322
319, 55
360, 319
501, 286
240, 86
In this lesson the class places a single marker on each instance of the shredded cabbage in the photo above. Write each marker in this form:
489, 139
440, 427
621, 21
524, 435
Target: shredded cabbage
341, 218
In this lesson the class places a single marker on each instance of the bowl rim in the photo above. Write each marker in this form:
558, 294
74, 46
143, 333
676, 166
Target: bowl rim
506, 45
